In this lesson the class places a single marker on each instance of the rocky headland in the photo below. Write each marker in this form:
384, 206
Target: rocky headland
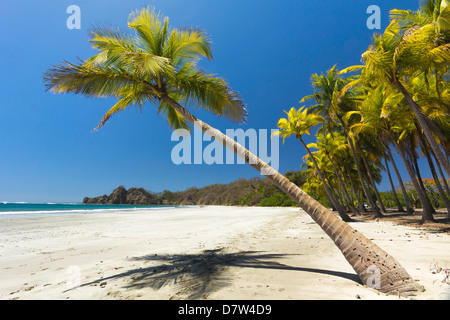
133, 196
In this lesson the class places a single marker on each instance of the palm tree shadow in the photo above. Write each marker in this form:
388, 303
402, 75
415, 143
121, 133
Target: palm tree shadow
196, 275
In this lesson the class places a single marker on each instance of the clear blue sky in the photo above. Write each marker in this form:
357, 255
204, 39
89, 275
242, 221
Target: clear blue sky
267, 50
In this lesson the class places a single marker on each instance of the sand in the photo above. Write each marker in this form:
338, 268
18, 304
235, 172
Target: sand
217, 253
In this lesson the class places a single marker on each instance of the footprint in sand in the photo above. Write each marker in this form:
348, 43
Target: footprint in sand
29, 288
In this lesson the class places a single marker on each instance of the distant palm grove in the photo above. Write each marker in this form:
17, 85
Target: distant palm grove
397, 102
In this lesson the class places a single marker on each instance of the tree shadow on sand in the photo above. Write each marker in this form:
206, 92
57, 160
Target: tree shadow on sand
196, 275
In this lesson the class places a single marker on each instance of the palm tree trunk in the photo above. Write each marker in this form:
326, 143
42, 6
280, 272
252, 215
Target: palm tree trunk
368, 260
399, 206
336, 203
373, 206
409, 208
335, 192
372, 182
433, 172
438, 184
420, 181
361, 199
444, 179
344, 187
339, 195
427, 214
352, 185
425, 127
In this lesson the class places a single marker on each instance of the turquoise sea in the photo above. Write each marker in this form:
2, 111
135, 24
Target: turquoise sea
27, 208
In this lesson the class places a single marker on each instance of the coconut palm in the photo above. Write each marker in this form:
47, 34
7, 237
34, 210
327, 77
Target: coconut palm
394, 192
380, 114
342, 153
396, 54
409, 208
431, 11
314, 188
332, 103
313, 185
158, 65
440, 189
433, 103
409, 144
298, 123
325, 167
369, 150
331, 145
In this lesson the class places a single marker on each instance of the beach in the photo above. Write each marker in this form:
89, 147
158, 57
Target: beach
211, 252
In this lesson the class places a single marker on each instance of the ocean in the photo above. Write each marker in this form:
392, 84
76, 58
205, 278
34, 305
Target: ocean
27, 208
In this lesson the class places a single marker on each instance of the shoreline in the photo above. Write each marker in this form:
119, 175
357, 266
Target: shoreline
206, 252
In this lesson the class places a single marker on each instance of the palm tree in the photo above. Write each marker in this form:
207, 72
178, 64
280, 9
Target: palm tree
159, 65
424, 147
314, 187
314, 183
395, 55
326, 168
332, 104
370, 164
409, 208
379, 113
330, 145
394, 192
298, 123
433, 103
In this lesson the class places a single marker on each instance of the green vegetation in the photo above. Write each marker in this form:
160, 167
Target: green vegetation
399, 98
398, 102
250, 192
243, 192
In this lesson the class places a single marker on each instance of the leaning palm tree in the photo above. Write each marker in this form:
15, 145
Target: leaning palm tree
159, 65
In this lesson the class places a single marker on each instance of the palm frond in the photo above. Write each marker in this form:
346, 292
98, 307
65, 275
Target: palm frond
188, 44
111, 43
440, 55
210, 93
409, 18
133, 95
443, 21
173, 117
351, 69
306, 98
428, 7
153, 63
151, 29
149, 64
87, 79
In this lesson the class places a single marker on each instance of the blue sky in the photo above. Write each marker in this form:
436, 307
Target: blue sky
266, 50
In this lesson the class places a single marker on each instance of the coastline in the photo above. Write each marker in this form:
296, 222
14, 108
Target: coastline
209, 252
40, 208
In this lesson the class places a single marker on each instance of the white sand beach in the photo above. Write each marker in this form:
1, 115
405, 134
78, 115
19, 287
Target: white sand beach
201, 253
